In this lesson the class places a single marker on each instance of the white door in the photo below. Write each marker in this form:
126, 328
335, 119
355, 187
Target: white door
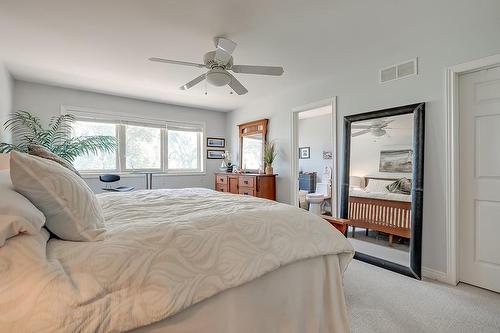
479, 229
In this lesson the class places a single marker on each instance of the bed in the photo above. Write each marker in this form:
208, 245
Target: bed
186, 260
375, 208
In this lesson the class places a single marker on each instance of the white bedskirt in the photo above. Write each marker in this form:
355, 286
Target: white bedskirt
305, 296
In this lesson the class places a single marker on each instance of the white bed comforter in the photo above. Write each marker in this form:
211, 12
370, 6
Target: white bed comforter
164, 251
380, 195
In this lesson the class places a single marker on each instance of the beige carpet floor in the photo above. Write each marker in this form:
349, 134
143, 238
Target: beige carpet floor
382, 301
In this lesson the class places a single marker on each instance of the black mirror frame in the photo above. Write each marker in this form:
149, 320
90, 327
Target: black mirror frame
418, 111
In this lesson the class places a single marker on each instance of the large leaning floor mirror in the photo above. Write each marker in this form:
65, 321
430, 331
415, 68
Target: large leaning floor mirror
382, 186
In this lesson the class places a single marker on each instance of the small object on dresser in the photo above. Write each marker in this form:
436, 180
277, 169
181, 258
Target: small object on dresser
270, 154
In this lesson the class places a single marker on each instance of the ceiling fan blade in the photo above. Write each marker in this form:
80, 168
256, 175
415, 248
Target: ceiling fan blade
360, 126
193, 82
360, 133
237, 86
225, 48
177, 62
261, 70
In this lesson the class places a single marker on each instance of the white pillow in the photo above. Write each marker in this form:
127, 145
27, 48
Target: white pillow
70, 206
378, 185
17, 214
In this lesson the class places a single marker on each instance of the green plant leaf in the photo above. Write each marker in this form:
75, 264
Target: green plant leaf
85, 145
27, 129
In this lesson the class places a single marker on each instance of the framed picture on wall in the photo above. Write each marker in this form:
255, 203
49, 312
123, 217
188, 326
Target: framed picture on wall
304, 152
215, 154
396, 160
216, 142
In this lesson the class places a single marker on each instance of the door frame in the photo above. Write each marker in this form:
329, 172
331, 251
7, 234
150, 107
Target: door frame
294, 155
452, 149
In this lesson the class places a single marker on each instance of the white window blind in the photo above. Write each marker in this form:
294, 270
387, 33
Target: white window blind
142, 144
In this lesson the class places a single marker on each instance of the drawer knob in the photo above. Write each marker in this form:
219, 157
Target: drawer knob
246, 181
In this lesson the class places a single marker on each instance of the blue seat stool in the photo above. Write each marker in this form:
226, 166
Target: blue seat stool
108, 179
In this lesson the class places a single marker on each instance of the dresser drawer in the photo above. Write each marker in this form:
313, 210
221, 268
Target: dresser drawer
221, 179
246, 181
221, 188
247, 191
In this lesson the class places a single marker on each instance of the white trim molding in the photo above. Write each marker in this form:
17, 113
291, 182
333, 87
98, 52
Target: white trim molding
452, 180
433, 274
294, 119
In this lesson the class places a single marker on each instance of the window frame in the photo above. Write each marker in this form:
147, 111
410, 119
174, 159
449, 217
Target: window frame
199, 128
122, 143
121, 120
117, 152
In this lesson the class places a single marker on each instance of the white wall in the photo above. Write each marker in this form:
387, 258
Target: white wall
5, 101
316, 133
441, 34
45, 101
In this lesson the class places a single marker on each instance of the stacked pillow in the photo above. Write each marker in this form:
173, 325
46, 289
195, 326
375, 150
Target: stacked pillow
69, 205
43, 152
402, 185
17, 214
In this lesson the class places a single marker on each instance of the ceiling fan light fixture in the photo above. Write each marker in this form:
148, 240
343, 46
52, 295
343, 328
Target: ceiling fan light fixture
378, 132
218, 77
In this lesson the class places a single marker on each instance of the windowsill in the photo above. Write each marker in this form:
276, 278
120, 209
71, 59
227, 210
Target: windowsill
89, 175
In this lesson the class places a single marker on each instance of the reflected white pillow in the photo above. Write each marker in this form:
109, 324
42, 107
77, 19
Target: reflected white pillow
69, 205
378, 185
17, 214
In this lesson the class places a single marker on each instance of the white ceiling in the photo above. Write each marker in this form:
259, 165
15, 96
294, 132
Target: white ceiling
104, 45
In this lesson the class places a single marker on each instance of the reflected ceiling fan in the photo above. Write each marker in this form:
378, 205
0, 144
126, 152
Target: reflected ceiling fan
219, 63
377, 128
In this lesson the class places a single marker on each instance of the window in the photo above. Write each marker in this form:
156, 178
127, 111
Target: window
184, 148
99, 162
168, 147
142, 148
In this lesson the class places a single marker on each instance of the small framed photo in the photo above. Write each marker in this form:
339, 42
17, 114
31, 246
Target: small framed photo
216, 142
304, 152
215, 154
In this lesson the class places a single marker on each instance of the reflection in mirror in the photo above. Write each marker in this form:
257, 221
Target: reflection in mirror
380, 201
252, 147
252, 140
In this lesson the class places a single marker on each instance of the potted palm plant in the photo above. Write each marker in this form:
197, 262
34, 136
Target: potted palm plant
27, 130
270, 153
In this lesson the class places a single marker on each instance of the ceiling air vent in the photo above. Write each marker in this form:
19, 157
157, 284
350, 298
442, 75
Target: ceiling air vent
398, 71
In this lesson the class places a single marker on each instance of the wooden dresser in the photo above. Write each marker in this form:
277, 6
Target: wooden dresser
257, 185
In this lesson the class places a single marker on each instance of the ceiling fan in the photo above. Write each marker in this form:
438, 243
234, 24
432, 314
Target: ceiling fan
377, 128
218, 63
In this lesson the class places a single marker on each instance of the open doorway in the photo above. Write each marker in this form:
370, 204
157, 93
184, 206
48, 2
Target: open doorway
314, 163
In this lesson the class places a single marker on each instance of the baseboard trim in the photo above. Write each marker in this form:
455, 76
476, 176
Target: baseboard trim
433, 274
